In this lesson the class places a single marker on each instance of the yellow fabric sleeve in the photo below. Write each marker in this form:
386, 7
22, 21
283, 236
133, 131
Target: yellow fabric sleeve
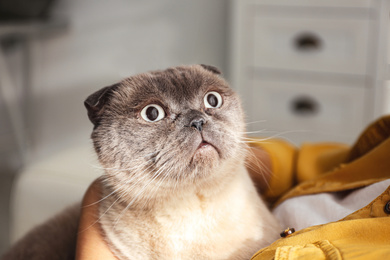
361, 235
282, 155
291, 166
359, 239
327, 167
316, 159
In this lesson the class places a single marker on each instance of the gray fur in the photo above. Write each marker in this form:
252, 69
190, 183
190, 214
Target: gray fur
123, 140
55, 239
154, 169
171, 190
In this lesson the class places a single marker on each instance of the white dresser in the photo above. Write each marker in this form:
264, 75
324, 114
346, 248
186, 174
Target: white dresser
310, 70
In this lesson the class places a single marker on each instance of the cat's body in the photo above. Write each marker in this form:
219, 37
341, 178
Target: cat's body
229, 224
176, 187
55, 239
187, 194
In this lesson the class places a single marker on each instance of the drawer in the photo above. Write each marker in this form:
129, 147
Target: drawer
316, 3
305, 110
310, 44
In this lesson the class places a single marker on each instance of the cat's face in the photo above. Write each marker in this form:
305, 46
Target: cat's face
166, 129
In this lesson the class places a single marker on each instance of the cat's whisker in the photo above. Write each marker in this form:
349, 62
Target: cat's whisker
255, 122
243, 139
266, 136
117, 192
249, 141
100, 216
104, 179
262, 169
121, 195
112, 204
127, 169
136, 197
107, 196
156, 189
152, 153
257, 165
156, 175
254, 132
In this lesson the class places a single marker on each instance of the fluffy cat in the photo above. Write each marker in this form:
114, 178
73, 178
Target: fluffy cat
175, 183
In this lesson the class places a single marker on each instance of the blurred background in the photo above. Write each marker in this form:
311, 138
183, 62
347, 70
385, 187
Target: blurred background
306, 71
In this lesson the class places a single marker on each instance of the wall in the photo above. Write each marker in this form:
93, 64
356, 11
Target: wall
109, 40
103, 42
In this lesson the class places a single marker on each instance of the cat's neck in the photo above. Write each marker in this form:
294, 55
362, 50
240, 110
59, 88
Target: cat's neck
232, 175
234, 186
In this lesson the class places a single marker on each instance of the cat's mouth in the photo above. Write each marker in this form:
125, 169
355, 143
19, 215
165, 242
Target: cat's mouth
203, 144
206, 147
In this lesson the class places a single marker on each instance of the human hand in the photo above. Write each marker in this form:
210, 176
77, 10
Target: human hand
90, 242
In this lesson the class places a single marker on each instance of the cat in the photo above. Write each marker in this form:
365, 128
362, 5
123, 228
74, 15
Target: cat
172, 145
175, 184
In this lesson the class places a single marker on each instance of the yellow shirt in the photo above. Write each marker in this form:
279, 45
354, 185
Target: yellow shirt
327, 167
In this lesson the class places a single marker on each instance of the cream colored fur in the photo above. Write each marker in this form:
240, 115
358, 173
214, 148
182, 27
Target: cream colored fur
174, 189
232, 223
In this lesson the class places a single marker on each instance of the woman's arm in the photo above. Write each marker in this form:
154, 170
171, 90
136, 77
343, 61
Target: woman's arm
90, 243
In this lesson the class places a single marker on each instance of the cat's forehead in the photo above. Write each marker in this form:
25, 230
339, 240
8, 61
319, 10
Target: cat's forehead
174, 84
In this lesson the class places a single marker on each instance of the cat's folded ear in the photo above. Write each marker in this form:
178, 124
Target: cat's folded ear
213, 69
96, 101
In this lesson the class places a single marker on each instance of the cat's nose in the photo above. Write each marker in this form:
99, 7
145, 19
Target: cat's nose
197, 123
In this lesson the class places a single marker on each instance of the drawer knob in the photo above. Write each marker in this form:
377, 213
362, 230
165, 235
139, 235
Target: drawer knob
307, 42
304, 106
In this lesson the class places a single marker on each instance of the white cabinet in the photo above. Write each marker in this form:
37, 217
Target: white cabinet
310, 70
306, 112
310, 44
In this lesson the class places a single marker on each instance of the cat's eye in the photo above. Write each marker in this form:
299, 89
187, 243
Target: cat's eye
152, 113
213, 100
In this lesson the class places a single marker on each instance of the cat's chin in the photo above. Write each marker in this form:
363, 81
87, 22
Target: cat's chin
206, 152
